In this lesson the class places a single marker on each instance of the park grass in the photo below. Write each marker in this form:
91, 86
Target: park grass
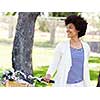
94, 59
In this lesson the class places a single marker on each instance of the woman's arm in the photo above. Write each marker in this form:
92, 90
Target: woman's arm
55, 62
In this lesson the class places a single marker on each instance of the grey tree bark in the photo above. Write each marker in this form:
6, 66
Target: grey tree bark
52, 28
23, 42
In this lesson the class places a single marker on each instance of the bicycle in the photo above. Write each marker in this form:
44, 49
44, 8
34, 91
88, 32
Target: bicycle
12, 79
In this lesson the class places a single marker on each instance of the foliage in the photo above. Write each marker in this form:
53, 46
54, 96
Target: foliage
62, 14
10, 13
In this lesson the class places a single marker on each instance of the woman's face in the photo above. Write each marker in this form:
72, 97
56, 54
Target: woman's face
71, 31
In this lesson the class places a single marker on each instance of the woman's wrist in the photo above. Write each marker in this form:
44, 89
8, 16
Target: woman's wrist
48, 76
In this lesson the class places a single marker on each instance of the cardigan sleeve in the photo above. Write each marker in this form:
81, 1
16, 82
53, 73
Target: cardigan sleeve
88, 51
87, 82
55, 61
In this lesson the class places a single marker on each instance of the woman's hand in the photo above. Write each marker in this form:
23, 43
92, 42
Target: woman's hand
47, 78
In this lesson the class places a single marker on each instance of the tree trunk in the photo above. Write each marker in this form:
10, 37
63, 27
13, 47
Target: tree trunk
52, 36
11, 26
52, 29
23, 42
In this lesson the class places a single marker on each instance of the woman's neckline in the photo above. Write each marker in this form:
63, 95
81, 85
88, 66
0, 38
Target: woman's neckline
77, 48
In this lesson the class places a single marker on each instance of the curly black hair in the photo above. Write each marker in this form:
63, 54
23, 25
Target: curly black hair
79, 23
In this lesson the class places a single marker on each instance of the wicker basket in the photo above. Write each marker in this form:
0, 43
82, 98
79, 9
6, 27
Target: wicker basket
17, 84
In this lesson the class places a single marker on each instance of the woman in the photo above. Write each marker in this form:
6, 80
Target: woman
71, 57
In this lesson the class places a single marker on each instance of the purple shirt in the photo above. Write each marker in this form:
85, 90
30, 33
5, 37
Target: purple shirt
75, 74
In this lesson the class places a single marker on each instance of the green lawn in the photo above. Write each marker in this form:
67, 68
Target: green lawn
94, 60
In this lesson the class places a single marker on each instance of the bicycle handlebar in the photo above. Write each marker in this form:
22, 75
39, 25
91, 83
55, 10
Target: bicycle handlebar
40, 79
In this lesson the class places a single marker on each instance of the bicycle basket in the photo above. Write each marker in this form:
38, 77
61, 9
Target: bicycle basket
17, 84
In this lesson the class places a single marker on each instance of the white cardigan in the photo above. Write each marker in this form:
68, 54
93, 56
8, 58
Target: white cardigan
62, 62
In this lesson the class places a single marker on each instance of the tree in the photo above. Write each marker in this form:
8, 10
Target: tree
23, 42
